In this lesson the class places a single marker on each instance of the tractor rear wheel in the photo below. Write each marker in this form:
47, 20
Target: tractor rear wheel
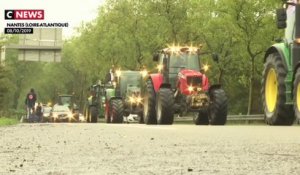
218, 107
93, 114
149, 104
116, 111
273, 92
164, 107
201, 118
297, 95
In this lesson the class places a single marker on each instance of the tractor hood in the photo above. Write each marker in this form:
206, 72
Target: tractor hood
193, 79
189, 73
133, 90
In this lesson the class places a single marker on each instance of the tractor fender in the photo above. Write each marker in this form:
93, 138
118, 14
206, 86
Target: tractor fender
113, 98
215, 86
157, 81
277, 48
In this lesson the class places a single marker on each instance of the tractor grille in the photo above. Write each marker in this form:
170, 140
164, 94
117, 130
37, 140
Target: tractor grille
194, 81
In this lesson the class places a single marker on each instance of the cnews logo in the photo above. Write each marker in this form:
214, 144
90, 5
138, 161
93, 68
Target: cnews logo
24, 14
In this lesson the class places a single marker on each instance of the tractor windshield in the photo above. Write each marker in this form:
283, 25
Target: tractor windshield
129, 79
184, 61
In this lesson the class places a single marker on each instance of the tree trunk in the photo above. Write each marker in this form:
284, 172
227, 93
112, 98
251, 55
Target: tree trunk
250, 98
220, 78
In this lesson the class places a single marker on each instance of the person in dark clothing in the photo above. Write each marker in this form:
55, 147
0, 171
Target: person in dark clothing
110, 76
30, 101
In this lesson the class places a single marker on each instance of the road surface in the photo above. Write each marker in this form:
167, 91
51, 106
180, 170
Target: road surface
62, 149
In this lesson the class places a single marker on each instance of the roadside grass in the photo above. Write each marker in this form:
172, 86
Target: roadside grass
8, 121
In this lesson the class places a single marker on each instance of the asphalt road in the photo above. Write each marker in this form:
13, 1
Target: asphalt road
59, 149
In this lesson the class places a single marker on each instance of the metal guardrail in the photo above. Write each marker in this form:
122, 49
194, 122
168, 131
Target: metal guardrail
257, 118
246, 117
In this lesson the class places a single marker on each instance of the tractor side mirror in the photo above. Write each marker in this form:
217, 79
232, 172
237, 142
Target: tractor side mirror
156, 57
215, 57
281, 18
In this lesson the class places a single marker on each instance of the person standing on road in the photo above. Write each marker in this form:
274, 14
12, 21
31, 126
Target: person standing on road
30, 101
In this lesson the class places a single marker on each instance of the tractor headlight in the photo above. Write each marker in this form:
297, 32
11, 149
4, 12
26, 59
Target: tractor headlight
144, 73
131, 100
70, 115
199, 89
118, 73
114, 84
139, 100
190, 88
55, 115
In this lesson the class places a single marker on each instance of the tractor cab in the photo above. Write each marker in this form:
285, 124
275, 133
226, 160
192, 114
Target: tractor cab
174, 59
129, 81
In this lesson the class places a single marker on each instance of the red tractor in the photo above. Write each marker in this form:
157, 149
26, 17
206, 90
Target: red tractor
182, 86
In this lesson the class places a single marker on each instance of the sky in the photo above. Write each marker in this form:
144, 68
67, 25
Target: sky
71, 11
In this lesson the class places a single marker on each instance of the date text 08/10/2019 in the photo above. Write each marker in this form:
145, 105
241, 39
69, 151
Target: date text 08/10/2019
18, 31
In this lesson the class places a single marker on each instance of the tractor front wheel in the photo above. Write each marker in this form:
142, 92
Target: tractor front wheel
164, 107
116, 111
201, 118
218, 107
93, 114
149, 104
273, 92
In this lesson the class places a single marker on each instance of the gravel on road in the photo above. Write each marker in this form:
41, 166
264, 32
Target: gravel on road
81, 148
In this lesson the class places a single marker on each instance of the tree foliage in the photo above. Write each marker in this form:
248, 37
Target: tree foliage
127, 32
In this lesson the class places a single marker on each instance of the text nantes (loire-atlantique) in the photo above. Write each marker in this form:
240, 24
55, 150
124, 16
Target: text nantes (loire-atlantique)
37, 24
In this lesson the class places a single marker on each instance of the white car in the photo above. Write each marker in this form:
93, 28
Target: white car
61, 113
46, 113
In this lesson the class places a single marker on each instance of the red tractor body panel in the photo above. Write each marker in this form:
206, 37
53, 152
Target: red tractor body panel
192, 78
157, 80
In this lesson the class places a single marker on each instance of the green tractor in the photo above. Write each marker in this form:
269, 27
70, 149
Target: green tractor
129, 88
117, 99
281, 75
103, 101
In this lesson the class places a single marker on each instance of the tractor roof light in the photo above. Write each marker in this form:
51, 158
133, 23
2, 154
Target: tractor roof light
205, 67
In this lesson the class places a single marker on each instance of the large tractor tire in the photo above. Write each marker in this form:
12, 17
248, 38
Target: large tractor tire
116, 110
201, 118
149, 104
273, 93
93, 114
218, 107
297, 95
87, 114
107, 113
164, 107
141, 117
